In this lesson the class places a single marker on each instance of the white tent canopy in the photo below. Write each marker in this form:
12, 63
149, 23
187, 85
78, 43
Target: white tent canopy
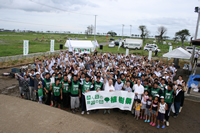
178, 53
83, 44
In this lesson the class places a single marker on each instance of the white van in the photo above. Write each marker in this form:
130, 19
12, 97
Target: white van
133, 43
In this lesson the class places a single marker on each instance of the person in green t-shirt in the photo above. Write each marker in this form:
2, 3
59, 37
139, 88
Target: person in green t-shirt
169, 99
40, 92
57, 92
98, 86
47, 84
65, 90
85, 87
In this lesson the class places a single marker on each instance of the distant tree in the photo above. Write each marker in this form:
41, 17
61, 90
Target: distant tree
175, 39
161, 31
144, 32
183, 34
48, 31
89, 30
112, 33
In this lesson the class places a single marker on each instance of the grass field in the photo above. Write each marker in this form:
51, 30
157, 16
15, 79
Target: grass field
12, 43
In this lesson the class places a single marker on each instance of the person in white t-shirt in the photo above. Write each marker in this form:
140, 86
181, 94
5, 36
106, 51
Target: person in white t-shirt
180, 80
138, 89
108, 88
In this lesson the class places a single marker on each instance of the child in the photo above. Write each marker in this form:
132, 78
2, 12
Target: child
148, 108
154, 108
40, 92
144, 101
137, 108
161, 112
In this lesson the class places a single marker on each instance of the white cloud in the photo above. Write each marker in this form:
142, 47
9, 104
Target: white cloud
174, 15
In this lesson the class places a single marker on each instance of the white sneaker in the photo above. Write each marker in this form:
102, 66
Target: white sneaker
167, 123
180, 109
83, 112
88, 112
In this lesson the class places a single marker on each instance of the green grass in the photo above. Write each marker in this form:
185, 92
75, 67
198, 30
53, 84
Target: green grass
12, 43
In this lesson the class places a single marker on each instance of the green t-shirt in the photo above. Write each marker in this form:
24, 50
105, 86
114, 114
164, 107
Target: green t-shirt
56, 89
123, 80
40, 92
146, 88
168, 96
97, 86
47, 84
74, 88
65, 87
86, 86
154, 92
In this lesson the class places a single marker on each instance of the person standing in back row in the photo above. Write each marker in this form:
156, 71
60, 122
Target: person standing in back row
196, 56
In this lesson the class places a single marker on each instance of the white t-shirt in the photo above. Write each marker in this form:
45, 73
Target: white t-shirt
138, 89
108, 88
145, 98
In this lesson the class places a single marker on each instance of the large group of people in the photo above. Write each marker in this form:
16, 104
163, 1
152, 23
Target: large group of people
62, 81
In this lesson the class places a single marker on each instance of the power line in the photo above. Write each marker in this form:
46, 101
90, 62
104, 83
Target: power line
29, 23
59, 8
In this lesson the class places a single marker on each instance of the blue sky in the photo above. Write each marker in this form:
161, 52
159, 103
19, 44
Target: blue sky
175, 15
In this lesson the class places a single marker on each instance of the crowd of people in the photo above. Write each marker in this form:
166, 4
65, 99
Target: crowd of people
63, 80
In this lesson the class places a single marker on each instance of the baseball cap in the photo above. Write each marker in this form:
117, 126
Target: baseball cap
37, 73
156, 95
162, 97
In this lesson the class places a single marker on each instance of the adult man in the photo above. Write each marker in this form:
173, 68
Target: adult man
85, 87
109, 88
138, 90
47, 84
196, 56
119, 85
75, 95
36, 79
168, 95
31, 85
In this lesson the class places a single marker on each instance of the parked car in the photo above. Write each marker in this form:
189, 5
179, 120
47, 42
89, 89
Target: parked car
153, 48
133, 43
190, 49
112, 44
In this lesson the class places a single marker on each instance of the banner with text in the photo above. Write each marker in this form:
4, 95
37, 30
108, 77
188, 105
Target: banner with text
108, 100
26, 47
52, 46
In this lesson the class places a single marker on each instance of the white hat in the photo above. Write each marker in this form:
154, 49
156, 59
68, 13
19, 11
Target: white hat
37, 73
156, 95
162, 97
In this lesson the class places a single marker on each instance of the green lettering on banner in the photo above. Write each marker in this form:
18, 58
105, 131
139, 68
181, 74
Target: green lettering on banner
96, 96
92, 102
101, 97
88, 102
88, 97
128, 100
121, 100
114, 99
100, 101
97, 101
107, 99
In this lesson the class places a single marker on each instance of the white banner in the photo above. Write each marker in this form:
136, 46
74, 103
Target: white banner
108, 100
127, 52
120, 43
52, 46
25, 47
150, 55
170, 49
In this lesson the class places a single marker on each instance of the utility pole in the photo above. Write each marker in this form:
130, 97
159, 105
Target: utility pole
197, 10
130, 30
122, 30
95, 26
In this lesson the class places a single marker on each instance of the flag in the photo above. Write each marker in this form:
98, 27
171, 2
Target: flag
120, 43
70, 46
96, 43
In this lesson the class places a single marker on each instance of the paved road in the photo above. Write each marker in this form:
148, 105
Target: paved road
17, 115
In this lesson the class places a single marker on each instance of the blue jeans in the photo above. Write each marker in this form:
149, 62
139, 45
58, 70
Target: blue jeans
40, 98
177, 107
